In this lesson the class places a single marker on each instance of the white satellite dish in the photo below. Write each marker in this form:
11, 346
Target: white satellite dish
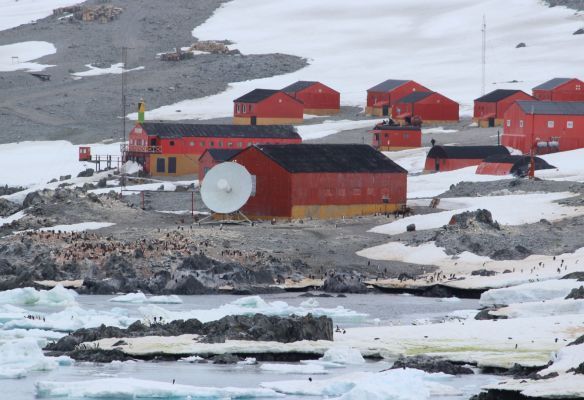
226, 188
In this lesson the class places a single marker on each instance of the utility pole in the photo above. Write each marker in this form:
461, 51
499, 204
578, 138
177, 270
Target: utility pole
484, 53
124, 63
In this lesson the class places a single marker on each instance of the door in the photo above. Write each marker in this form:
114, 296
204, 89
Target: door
160, 165
172, 165
385, 111
253, 120
437, 164
153, 142
491, 122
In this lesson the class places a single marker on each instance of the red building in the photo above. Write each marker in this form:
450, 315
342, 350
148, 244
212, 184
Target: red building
267, 107
431, 107
489, 109
382, 97
212, 157
560, 89
174, 149
549, 125
395, 137
318, 99
448, 158
517, 165
322, 181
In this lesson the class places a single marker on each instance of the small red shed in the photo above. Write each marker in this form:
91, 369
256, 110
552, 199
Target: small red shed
548, 125
318, 99
84, 153
517, 165
489, 109
322, 181
267, 107
212, 157
382, 97
449, 158
396, 137
431, 107
560, 89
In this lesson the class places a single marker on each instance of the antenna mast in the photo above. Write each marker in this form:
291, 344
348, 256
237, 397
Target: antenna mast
484, 53
124, 63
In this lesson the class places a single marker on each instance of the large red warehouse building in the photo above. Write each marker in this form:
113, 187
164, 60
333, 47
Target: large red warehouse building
318, 99
448, 158
267, 107
322, 181
382, 97
549, 125
489, 109
174, 149
560, 89
431, 107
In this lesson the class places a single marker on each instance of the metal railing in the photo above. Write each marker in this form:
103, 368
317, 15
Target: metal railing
140, 149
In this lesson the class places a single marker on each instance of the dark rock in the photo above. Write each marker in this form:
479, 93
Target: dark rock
481, 218
483, 272
341, 295
575, 275
32, 199
226, 359
431, 365
411, 227
578, 341
308, 294
484, 315
520, 45
191, 285
94, 198
85, 174
344, 283
102, 183
576, 294
8, 208
579, 32
99, 355
578, 370
64, 178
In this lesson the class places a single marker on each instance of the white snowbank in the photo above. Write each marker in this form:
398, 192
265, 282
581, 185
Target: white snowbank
413, 160
345, 30
535, 206
80, 227
529, 292
438, 129
253, 305
566, 358
141, 298
19, 357
15, 13
57, 296
131, 167
11, 218
113, 69
327, 128
24, 52
568, 163
541, 308
310, 369
129, 388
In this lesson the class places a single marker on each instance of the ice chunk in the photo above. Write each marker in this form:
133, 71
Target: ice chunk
140, 298
57, 296
19, 357
528, 292
343, 355
128, 388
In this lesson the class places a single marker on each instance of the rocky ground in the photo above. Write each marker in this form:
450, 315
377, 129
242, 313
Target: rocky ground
88, 110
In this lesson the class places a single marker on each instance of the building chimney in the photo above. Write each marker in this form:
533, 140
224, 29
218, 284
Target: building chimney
141, 109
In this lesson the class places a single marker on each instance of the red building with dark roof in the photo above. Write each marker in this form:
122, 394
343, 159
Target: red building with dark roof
489, 109
267, 107
174, 149
448, 158
560, 89
431, 107
548, 125
318, 99
322, 181
517, 165
382, 97
212, 157
396, 137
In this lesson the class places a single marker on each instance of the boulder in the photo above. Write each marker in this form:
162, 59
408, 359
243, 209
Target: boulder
480, 218
432, 365
576, 294
86, 174
344, 283
520, 45
411, 227
579, 32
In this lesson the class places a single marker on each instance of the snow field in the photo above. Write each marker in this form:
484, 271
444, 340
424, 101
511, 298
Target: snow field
15, 13
24, 52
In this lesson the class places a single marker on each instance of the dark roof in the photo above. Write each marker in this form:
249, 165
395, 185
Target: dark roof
388, 85
355, 158
222, 154
466, 152
552, 107
552, 84
256, 95
414, 97
298, 86
498, 95
175, 130
521, 163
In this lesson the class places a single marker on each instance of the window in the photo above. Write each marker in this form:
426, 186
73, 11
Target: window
172, 143
250, 107
570, 124
191, 143
239, 144
220, 144
370, 191
237, 107
202, 143
160, 165
578, 87
521, 123
139, 130
211, 144
508, 123
243, 108
172, 165
341, 192
550, 124
356, 191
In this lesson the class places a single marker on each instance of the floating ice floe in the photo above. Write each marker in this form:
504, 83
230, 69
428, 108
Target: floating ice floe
57, 296
19, 357
128, 388
140, 298
343, 355
529, 292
